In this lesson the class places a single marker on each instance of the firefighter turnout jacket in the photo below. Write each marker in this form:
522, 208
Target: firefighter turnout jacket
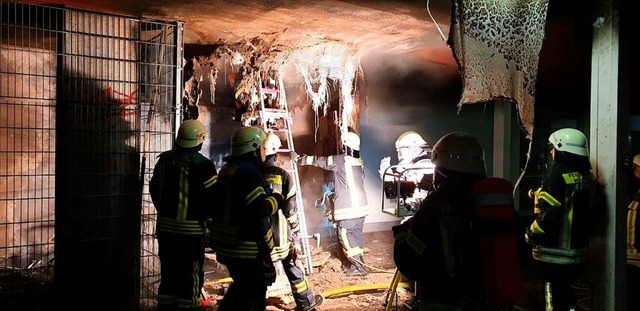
178, 191
178, 188
350, 201
240, 226
285, 222
560, 233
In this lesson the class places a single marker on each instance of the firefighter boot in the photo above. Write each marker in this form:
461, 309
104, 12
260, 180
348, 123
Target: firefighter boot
357, 267
317, 301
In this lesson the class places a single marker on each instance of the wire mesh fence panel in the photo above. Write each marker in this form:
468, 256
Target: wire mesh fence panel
27, 148
160, 90
86, 102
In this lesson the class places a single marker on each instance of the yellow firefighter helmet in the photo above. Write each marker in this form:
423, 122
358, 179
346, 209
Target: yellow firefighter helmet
247, 139
190, 134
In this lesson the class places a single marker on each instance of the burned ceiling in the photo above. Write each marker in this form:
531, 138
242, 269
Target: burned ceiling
381, 27
372, 26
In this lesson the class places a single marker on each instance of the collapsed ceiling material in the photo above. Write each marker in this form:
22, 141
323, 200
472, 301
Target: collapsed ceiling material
382, 27
497, 46
320, 62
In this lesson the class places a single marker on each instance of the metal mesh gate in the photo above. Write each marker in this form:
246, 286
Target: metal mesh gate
86, 101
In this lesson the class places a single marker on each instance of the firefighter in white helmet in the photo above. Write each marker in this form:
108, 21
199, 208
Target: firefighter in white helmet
435, 247
286, 226
559, 235
178, 188
414, 171
413, 152
350, 206
240, 229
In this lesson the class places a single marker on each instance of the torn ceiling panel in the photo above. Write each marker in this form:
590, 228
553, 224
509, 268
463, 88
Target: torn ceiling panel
320, 63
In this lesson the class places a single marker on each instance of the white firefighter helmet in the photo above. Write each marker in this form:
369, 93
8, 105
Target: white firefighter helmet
460, 152
272, 143
571, 141
351, 140
410, 138
247, 139
190, 134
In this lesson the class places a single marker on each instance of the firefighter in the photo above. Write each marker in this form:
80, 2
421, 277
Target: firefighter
178, 187
286, 226
436, 247
633, 234
559, 235
240, 231
413, 151
414, 171
350, 203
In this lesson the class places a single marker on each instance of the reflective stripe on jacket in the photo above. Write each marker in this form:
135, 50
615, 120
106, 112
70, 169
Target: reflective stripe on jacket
561, 229
633, 256
240, 226
178, 190
285, 222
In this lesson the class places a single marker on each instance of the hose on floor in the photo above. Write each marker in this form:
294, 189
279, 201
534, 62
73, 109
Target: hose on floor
372, 267
353, 289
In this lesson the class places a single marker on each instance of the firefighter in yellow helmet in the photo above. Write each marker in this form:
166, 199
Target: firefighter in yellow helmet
178, 187
241, 233
436, 247
633, 233
633, 256
559, 235
350, 206
285, 225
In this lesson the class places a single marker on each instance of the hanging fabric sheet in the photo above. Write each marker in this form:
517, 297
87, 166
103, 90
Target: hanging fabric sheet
497, 45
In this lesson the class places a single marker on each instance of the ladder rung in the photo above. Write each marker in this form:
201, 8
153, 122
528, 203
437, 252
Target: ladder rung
270, 91
274, 111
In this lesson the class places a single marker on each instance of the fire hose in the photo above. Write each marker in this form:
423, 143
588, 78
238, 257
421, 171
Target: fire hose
354, 289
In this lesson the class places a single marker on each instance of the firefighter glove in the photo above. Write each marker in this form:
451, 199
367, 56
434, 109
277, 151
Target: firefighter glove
384, 164
295, 156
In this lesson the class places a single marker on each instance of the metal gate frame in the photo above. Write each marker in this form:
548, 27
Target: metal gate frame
89, 100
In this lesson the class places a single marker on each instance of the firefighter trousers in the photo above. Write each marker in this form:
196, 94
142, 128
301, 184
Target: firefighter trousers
351, 238
181, 271
248, 291
299, 286
561, 277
